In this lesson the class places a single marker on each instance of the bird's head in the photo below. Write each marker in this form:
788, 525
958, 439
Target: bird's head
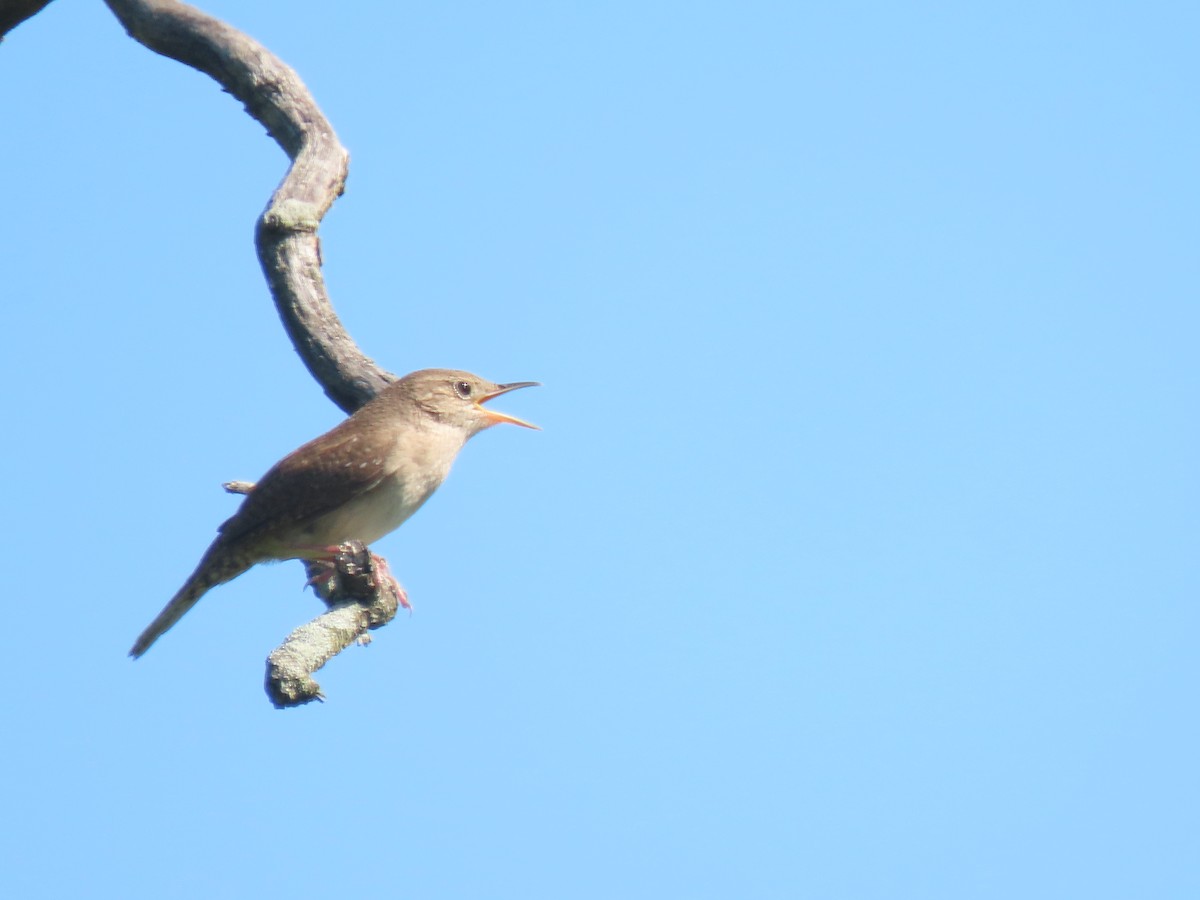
456, 398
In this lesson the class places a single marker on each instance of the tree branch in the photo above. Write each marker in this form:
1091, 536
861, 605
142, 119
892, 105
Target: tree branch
290, 253
286, 236
360, 594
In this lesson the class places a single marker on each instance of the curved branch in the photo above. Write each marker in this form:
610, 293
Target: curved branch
290, 254
286, 236
360, 594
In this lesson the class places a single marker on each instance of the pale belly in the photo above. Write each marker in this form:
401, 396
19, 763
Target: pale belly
370, 516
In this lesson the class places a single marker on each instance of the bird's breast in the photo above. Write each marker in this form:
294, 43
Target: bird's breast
416, 464
376, 512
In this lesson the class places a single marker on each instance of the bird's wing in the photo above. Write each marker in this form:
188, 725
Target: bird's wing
296, 490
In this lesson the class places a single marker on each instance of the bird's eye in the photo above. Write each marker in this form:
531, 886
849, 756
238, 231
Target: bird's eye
463, 389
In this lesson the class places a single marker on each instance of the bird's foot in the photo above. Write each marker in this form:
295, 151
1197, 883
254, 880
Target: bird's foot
337, 573
320, 573
351, 570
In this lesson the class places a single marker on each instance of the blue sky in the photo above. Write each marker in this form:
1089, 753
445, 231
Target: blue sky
857, 558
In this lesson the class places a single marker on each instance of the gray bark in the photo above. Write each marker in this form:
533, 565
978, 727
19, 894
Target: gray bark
286, 237
359, 598
290, 253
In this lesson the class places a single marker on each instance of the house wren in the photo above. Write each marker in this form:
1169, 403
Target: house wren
359, 481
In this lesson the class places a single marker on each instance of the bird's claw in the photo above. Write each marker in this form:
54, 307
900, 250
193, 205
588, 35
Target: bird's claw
352, 570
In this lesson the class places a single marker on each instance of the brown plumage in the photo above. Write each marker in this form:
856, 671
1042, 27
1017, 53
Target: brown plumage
358, 481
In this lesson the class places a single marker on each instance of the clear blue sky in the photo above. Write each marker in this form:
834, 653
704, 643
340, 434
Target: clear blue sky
857, 559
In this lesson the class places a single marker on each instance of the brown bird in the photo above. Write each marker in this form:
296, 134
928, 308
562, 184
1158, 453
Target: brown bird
359, 481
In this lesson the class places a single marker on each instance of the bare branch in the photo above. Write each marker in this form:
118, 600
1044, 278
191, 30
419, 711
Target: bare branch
286, 236
361, 595
14, 12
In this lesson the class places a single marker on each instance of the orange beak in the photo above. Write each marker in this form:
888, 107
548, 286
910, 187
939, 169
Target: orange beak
494, 417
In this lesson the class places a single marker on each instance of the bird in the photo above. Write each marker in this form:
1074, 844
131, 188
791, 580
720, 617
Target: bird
357, 482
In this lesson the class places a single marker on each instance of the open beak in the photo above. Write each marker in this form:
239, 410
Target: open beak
494, 417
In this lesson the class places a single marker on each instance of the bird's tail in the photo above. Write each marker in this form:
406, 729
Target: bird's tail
216, 567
